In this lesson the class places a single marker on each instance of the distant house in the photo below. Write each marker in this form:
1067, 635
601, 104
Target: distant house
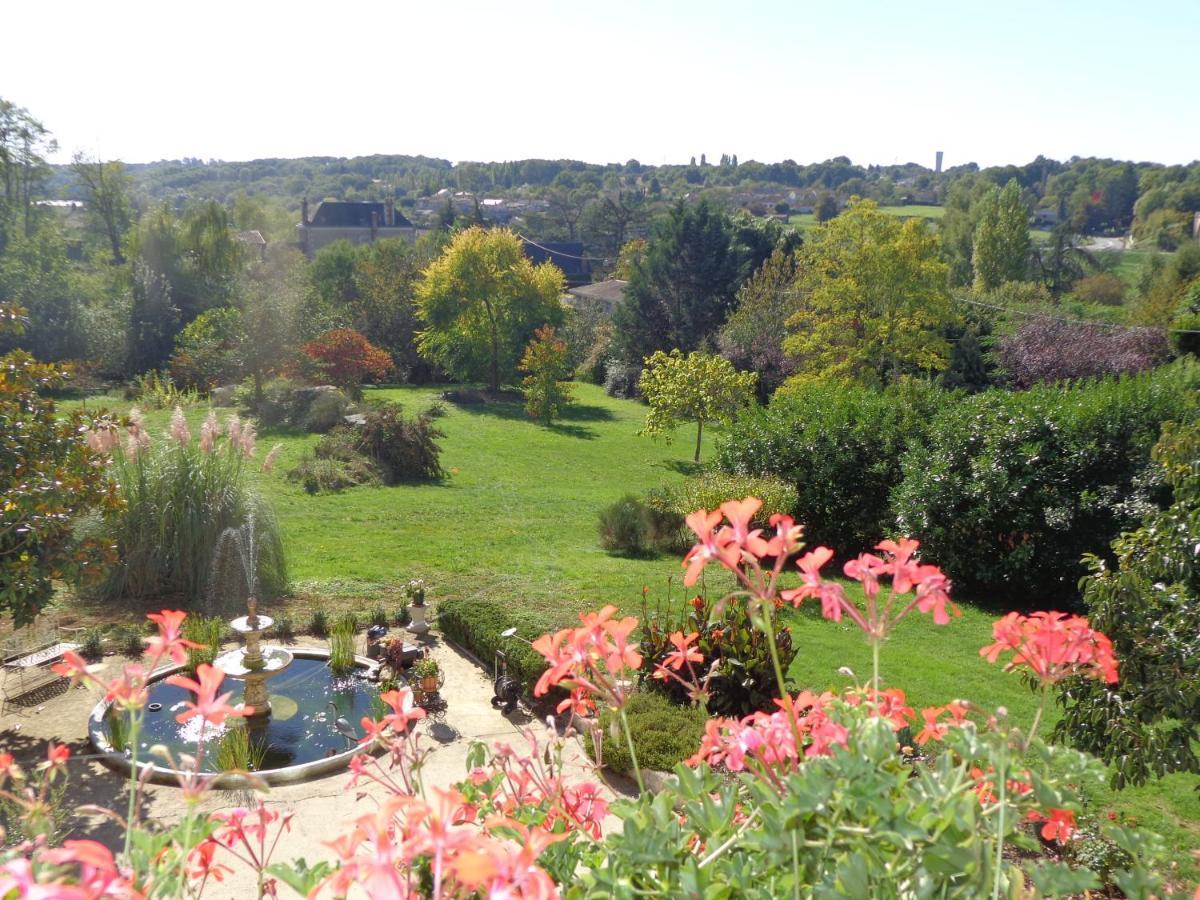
567, 255
255, 240
603, 295
1045, 218
359, 222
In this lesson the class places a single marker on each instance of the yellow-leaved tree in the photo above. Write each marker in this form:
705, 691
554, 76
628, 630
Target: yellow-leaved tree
873, 299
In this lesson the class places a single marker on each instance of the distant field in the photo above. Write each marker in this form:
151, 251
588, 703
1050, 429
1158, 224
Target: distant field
1132, 263
915, 211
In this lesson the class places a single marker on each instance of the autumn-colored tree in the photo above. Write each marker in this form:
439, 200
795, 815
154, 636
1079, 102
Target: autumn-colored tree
698, 388
481, 302
48, 477
547, 361
873, 299
345, 358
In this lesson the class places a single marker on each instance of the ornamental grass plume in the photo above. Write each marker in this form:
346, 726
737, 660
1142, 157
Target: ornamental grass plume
209, 431
178, 430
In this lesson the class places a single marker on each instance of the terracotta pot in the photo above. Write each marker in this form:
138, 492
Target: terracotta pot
429, 684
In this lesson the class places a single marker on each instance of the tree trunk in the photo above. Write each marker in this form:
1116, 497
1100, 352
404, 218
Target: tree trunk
699, 431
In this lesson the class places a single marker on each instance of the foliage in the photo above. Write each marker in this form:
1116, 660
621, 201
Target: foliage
664, 733
621, 378
1048, 349
681, 291
179, 497
695, 388
341, 646
1149, 723
752, 338
326, 411
627, 527
1185, 337
1000, 250
379, 616
91, 647
476, 623
481, 302
1104, 288
205, 350
875, 299
206, 634
238, 751
1010, 490
158, 390
345, 358
1062, 260
839, 447
737, 677
669, 505
546, 390
403, 449
285, 629
426, 667
318, 623
48, 477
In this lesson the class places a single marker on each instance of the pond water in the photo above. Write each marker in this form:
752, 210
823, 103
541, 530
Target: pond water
300, 728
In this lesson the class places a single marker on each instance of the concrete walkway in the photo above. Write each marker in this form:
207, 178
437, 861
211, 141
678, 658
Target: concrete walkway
321, 805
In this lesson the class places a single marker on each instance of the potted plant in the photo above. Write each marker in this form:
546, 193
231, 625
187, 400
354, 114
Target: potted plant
414, 594
427, 673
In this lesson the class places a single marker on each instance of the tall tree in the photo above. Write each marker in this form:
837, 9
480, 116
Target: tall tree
874, 299
682, 290
611, 219
107, 188
1000, 250
752, 339
481, 301
24, 144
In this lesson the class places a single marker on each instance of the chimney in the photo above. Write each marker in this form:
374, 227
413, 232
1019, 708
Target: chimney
304, 211
390, 206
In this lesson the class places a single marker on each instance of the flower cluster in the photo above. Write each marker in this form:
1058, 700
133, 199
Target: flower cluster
590, 661
1052, 646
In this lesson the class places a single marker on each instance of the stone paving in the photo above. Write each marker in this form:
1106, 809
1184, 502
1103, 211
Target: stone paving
320, 805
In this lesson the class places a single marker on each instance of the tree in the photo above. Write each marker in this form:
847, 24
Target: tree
1000, 249
874, 299
36, 275
269, 297
24, 144
685, 286
107, 188
1062, 260
752, 338
826, 208
547, 361
49, 477
345, 358
1148, 603
607, 220
696, 388
481, 301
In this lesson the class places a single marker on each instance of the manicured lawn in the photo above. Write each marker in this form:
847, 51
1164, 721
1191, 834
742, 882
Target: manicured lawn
515, 520
915, 211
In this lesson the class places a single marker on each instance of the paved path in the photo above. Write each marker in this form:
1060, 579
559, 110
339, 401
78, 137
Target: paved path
320, 805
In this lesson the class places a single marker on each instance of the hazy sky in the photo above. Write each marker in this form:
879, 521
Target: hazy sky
994, 82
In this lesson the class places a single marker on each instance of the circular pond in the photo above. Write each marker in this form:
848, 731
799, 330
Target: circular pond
302, 737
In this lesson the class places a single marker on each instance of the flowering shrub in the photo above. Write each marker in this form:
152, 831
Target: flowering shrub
815, 797
345, 358
548, 368
179, 497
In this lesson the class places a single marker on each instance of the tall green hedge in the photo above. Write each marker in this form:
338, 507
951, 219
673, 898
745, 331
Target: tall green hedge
1008, 490
840, 446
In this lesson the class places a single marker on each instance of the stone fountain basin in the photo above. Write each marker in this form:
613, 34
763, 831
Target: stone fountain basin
161, 774
232, 662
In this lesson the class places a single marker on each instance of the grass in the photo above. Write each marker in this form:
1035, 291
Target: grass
515, 521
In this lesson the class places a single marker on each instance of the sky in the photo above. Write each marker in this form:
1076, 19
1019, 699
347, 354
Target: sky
658, 81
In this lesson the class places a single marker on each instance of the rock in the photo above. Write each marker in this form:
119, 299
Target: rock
356, 419
223, 395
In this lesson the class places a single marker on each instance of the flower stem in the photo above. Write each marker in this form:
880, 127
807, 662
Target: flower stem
875, 667
135, 723
1002, 777
637, 770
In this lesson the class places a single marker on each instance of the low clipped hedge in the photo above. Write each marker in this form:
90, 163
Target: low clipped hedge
664, 733
475, 623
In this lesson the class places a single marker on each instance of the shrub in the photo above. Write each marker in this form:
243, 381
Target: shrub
621, 378
664, 733
91, 647
157, 390
346, 358
546, 388
404, 449
1049, 349
435, 410
179, 499
1185, 334
205, 350
323, 475
1149, 603
627, 527
1010, 490
475, 623
318, 623
1104, 288
379, 616
327, 410
285, 628
403, 617
341, 645
669, 506
840, 447
131, 642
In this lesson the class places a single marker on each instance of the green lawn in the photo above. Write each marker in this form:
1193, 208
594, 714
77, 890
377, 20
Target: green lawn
515, 520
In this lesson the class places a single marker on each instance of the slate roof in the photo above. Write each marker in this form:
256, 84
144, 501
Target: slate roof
354, 214
608, 294
564, 254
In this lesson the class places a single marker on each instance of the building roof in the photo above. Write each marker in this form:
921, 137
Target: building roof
608, 294
567, 255
252, 237
354, 214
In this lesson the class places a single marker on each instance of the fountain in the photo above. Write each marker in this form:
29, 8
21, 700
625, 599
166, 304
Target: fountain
302, 709
253, 664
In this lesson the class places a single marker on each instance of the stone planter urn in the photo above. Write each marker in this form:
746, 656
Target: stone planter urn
418, 625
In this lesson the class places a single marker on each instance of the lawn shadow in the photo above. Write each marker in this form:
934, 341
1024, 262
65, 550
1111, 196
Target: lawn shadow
575, 431
513, 410
682, 466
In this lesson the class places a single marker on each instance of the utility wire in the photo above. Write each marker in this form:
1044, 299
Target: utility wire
560, 253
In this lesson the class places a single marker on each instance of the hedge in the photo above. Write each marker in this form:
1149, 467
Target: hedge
1008, 491
664, 733
475, 623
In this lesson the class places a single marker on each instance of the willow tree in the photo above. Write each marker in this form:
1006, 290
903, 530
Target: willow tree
480, 303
